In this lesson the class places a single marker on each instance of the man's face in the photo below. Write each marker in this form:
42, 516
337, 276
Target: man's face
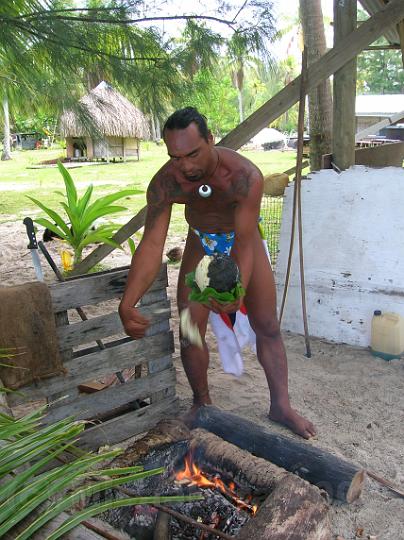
189, 151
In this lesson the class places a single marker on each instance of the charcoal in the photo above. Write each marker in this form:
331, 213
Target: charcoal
139, 521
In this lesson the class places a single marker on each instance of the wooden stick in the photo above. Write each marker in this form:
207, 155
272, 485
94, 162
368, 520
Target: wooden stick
97, 529
192, 522
298, 169
298, 182
177, 515
292, 170
386, 483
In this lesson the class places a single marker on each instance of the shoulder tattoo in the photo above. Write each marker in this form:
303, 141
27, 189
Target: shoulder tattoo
156, 202
241, 186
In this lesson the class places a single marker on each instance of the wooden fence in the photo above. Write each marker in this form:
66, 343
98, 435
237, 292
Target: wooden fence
123, 410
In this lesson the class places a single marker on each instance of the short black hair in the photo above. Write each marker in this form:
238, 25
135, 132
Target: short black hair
183, 117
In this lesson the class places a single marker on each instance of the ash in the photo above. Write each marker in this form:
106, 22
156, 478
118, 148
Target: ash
215, 510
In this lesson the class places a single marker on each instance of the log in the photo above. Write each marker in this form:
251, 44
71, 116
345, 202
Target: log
166, 431
293, 509
290, 512
340, 479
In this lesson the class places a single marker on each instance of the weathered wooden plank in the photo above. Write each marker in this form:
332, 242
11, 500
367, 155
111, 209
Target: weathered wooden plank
344, 85
95, 365
328, 64
155, 366
108, 402
156, 328
96, 288
106, 325
128, 425
153, 296
61, 319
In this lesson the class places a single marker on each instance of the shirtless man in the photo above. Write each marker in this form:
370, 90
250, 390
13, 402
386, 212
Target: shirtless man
233, 205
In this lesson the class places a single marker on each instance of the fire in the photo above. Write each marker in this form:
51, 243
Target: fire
193, 475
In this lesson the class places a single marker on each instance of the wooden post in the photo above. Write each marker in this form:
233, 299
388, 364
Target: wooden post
344, 89
400, 29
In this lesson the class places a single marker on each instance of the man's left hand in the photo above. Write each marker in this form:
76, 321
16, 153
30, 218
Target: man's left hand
219, 307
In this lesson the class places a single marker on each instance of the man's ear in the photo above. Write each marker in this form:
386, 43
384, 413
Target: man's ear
210, 137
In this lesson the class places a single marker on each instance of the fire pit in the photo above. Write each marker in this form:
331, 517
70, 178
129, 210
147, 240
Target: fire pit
243, 496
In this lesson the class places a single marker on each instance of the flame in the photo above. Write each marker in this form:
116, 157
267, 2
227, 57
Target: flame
195, 477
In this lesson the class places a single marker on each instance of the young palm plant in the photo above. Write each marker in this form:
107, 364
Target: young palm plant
28, 485
80, 228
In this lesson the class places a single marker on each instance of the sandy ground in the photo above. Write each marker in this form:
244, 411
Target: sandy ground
355, 400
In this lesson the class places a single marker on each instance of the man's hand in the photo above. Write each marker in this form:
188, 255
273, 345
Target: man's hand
134, 323
219, 307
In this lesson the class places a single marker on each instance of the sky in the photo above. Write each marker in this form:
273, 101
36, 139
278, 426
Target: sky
291, 7
284, 10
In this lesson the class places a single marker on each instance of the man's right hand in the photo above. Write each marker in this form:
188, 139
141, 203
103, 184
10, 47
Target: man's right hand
134, 323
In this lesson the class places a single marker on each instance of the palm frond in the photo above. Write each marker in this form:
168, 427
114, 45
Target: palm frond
26, 447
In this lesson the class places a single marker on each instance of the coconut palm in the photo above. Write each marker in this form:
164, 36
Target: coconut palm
242, 49
320, 100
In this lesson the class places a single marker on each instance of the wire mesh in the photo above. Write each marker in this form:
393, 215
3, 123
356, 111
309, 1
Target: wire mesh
271, 213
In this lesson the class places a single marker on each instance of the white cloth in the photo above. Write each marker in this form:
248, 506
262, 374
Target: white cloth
233, 339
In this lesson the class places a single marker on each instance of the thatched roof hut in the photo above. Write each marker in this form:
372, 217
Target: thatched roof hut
105, 126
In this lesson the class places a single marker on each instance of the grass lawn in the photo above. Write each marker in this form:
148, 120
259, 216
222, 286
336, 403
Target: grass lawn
17, 180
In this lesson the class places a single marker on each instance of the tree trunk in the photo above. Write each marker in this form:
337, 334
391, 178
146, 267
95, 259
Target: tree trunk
6, 141
320, 101
152, 126
240, 104
158, 128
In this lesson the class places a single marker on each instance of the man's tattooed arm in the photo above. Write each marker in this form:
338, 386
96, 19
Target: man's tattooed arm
157, 202
162, 193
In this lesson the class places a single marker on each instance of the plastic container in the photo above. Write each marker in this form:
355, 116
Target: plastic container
387, 340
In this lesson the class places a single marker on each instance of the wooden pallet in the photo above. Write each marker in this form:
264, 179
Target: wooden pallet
121, 410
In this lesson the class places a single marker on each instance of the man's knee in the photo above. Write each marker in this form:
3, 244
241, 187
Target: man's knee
266, 327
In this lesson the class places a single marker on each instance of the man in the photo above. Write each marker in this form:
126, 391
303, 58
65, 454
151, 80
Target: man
221, 191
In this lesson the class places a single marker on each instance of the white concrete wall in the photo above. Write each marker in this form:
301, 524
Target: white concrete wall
353, 229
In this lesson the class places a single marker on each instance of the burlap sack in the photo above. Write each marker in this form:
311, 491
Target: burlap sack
27, 326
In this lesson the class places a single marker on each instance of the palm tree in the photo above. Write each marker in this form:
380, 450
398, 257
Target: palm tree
6, 154
320, 100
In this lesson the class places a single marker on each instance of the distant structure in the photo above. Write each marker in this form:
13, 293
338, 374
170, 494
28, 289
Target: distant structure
372, 109
105, 126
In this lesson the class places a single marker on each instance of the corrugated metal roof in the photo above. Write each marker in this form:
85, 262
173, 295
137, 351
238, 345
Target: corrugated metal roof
372, 7
379, 105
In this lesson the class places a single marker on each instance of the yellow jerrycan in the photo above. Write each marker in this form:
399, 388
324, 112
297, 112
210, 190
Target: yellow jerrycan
387, 339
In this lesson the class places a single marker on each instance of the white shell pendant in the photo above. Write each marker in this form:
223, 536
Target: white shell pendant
205, 191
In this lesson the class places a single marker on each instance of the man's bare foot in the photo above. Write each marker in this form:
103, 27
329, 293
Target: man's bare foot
189, 417
291, 419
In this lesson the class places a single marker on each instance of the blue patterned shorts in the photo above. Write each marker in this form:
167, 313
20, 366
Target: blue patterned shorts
216, 242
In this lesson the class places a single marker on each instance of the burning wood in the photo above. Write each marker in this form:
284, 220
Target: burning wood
193, 475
